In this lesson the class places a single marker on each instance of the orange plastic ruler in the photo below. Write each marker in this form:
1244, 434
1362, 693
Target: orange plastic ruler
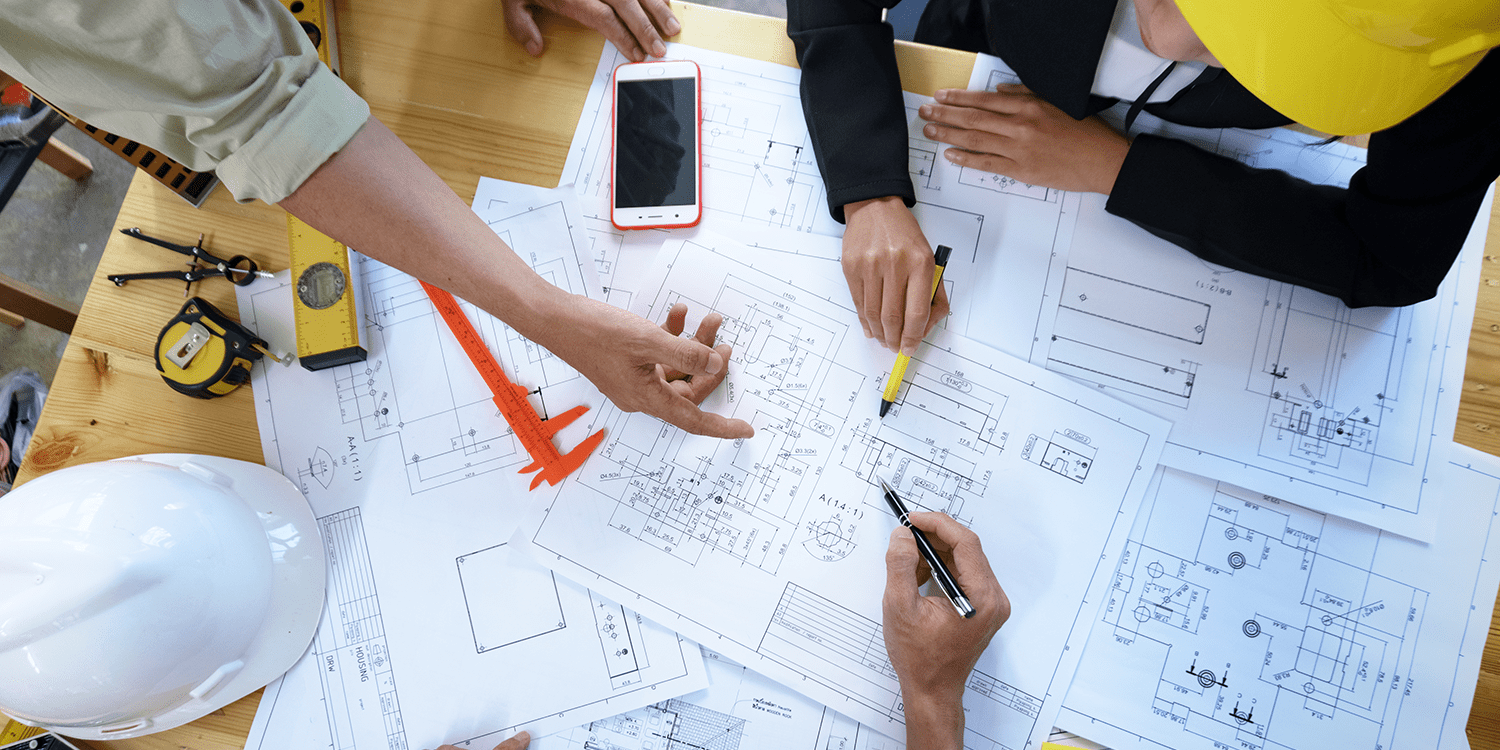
534, 432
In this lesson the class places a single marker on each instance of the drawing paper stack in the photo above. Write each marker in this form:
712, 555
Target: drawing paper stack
1196, 613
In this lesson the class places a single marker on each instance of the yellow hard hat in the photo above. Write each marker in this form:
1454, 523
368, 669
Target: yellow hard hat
1346, 66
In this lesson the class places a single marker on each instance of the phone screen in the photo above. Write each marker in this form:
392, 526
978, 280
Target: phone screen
655, 142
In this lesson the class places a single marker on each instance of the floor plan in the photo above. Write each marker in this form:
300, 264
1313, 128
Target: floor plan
1240, 620
789, 523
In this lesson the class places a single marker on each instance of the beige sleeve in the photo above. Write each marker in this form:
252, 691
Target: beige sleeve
229, 85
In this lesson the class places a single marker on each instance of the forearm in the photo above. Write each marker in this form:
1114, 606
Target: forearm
851, 99
933, 723
376, 196
1364, 247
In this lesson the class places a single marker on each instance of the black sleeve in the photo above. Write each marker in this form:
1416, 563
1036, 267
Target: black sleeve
1389, 239
851, 99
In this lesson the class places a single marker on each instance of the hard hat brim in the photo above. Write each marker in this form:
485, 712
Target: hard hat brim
1308, 64
299, 580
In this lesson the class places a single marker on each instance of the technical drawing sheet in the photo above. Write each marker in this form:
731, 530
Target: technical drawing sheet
740, 710
1340, 410
413, 475
771, 549
760, 179
1240, 620
1335, 409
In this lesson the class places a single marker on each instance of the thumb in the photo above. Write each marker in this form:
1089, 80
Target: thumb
522, 26
684, 355
901, 559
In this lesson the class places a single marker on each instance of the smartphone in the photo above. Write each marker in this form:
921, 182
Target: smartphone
657, 164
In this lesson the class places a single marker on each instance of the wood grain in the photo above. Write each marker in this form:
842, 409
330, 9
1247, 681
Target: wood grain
449, 81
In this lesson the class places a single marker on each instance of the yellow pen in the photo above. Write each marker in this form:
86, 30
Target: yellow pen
898, 371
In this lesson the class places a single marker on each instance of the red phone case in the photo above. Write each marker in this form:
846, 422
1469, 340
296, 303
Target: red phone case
697, 137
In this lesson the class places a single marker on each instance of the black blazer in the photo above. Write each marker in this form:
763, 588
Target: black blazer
1388, 239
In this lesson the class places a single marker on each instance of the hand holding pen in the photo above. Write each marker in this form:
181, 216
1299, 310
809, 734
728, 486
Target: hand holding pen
931, 648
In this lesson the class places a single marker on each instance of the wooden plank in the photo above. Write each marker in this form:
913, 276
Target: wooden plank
61, 157
30, 303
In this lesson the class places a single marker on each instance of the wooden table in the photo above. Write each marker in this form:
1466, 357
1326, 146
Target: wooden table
445, 76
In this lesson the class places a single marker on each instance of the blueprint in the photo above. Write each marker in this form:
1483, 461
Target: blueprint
771, 549
1240, 620
740, 710
760, 180
1336, 409
1342, 410
412, 474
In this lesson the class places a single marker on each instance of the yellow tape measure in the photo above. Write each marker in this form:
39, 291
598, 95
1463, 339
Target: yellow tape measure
326, 299
203, 353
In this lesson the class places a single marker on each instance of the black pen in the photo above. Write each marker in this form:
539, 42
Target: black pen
940, 573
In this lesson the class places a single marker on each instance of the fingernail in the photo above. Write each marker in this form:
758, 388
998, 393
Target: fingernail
930, 131
659, 49
713, 365
534, 47
673, 27
926, 111
942, 95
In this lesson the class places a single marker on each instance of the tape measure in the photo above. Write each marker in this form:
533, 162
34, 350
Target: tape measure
203, 353
326, 299
534, 432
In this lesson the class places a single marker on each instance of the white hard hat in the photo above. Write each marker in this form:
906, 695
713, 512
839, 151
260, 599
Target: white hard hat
142, 593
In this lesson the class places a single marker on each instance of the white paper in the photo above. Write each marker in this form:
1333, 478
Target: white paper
434, 631
760, 180
1335, 409
1239, 620
740, 710
771, 549
1339, 410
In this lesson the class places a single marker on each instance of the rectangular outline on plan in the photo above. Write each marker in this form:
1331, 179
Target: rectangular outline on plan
501, 591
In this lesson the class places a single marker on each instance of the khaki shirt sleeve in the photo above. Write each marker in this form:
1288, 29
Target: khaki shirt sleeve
224, 85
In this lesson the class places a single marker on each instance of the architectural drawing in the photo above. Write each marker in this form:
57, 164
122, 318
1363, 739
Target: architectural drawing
453, 432
401, 455
771, 549
740, 710
351, 654
1239, 620
1320, 366
1336, 409
758, 165
760, 180
1345, 405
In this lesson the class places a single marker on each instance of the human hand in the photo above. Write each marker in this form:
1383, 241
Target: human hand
888, 265
636, 27
1013, 132
519, 742
641, 367
931, 647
